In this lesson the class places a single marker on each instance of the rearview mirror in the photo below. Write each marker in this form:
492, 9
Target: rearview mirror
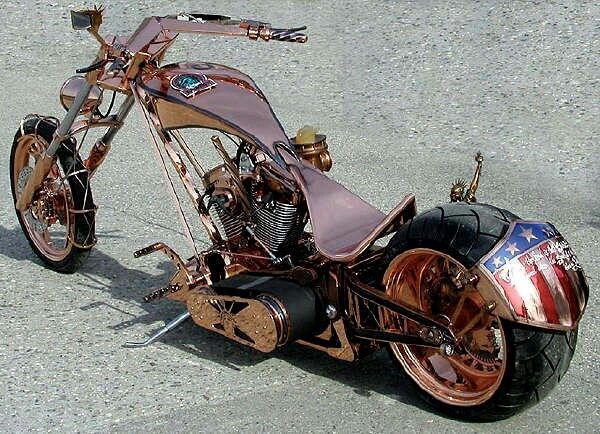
81, 20
87, 20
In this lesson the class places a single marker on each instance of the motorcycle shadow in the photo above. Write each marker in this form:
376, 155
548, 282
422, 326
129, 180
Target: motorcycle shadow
365, 377
373, 374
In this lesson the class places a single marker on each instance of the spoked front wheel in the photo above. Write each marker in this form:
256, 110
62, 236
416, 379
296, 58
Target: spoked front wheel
59, 223
497, 367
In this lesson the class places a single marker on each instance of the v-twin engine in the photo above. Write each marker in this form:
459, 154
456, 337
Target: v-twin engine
278, 225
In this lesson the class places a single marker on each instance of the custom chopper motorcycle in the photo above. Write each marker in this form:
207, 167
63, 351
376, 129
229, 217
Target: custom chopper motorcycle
478, 308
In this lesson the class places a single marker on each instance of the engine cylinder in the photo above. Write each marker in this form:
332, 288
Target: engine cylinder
278, 225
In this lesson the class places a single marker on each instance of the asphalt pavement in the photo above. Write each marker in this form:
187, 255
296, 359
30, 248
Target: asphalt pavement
406, 92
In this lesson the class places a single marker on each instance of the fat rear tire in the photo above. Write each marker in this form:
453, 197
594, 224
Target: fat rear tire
536, 359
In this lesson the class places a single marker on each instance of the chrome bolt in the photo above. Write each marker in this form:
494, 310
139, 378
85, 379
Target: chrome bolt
331, 312
447, 349
489, 307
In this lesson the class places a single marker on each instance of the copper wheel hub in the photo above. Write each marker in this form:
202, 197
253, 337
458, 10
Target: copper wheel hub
423, 278
47, 220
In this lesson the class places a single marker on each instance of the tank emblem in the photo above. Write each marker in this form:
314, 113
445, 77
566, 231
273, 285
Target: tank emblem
190, 85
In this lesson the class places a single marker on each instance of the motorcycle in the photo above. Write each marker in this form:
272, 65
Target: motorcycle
477, 307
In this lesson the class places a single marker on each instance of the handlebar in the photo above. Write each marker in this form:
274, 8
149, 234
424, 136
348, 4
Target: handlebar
92, 67
289, 35
120, 64
259, 30
122, 55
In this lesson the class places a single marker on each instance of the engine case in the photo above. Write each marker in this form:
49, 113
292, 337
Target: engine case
261, 312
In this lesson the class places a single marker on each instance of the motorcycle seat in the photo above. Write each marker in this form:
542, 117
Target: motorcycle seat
343, 224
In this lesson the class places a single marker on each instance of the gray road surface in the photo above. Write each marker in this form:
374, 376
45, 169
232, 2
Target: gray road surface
406, 92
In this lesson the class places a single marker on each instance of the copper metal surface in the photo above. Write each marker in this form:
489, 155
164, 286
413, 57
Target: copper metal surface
71, 88
316, 153
49, 232
343, 224
154, 128
228, 107
93, 122
247, 321
423, 278
429, 298
457, 191
232, 174
96, 157
470, 194
334, 342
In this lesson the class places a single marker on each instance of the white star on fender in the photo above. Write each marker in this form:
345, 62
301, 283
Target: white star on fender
512, 248
548, 232
497, 262
528, 234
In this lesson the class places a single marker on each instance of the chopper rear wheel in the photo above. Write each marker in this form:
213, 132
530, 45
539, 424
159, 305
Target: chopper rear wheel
499, 367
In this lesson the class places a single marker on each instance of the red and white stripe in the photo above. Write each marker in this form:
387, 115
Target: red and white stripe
540, 290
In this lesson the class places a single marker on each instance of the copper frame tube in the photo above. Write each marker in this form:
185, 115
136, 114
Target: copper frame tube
356, 287
184, 176
85, 124
188, 153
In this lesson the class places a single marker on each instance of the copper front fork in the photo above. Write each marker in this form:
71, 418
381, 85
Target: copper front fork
44, 164
97, 155
102, 146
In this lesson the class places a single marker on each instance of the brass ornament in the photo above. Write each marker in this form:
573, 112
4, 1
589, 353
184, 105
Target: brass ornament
312, 147
457, 191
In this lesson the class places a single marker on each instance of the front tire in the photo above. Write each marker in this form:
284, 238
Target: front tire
500, 367
59, 224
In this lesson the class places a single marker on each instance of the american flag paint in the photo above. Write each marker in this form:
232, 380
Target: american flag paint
539, 274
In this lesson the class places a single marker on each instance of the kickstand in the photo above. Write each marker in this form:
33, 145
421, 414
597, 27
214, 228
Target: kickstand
167, 328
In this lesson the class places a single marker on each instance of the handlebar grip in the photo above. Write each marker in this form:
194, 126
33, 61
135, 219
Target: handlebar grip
92, 67
289, 35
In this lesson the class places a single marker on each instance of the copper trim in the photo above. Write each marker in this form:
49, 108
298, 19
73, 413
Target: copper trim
247, 321
34, 218
85, 124
315, 153
70, 89
457, 191
423, 278
344, 225
342, 350
393, 305
154, 121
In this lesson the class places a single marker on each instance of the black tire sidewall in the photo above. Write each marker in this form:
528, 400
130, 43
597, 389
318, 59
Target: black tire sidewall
45, 129
439, 229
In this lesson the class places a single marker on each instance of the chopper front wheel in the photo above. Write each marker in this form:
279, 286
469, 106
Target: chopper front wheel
59, 223
499, 367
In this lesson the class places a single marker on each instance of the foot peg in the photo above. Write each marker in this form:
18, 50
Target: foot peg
174, 257
167, 328
181, 278
161, 292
